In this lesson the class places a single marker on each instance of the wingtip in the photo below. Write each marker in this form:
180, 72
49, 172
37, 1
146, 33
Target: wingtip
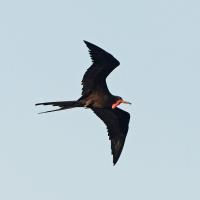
92, 46
86, 42
115, 161
89, 44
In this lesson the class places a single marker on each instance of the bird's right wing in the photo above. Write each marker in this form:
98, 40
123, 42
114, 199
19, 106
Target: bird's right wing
117, 122
95, 76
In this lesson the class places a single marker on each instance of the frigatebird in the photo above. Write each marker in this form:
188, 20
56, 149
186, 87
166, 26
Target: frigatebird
97, 97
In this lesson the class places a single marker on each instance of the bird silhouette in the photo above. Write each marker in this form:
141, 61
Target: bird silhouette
97, 97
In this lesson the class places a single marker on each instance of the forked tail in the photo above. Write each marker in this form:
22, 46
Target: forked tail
62, 104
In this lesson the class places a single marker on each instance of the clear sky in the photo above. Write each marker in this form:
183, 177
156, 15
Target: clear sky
66, 155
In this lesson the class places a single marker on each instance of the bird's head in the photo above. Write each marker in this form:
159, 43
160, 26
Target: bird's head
117, 101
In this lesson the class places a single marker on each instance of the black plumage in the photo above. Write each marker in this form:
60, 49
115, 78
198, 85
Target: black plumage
96, 96
117, 121
95, 76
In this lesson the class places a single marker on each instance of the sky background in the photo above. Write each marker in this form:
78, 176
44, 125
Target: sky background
66, 155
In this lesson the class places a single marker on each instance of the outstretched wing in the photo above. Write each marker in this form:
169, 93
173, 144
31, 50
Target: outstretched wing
95, 76
117, 122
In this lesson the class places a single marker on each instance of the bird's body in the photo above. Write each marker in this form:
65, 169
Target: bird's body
96, 96
97, 99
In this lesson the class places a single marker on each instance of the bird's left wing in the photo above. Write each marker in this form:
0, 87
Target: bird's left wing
117, 122
103, 64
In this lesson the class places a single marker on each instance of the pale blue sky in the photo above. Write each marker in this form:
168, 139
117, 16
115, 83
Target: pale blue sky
66, 155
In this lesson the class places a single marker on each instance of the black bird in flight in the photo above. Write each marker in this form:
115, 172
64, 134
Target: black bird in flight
97, 97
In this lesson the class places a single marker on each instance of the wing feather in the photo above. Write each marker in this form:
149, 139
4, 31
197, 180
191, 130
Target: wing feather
103, 64
117, 122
